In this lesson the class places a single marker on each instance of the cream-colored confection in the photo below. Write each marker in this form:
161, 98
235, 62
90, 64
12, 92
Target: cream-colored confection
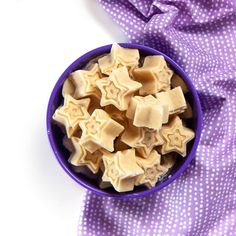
148, 116
174, 98
142, 139
150, 113
119, 57
150, 101
188, 113
93, 61
147, 112
118, 89
177, 81
132, 106
121, 169
175, 137
72, 113
85, 82
81, 157
154, 168
117, 115
151, 168
68, 88
154, 75
99, 131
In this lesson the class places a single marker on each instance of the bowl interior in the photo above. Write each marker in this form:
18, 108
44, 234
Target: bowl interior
56, 135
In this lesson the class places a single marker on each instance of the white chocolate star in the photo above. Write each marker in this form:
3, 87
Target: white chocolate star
150, 168
118, 89
121, 169
85, 82
175, 100
72, 113
153, 168
81, 157
119, 57
176, 137
147, 112
68, 88
99, 131
154, 75
142, 139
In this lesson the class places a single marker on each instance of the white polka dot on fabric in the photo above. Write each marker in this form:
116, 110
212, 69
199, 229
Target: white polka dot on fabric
201, 37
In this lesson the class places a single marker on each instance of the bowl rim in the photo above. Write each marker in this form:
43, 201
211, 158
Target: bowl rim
189, 157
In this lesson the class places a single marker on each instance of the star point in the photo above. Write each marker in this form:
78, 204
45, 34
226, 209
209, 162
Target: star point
121, 169
99, 131
174, 99
155, 75
142, 139
153, 168
149, 166
81, 157
119, 57
117, 89
85, 82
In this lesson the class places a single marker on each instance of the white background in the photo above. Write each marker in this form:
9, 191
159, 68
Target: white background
38, 40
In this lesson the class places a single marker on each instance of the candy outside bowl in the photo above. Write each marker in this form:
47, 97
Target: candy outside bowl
55, 134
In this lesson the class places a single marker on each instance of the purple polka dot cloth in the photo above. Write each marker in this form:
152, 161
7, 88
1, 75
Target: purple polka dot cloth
200, 35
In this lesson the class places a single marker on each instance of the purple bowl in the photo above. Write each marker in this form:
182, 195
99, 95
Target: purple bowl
55, 135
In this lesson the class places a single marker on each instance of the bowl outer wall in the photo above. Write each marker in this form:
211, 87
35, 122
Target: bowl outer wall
81, 62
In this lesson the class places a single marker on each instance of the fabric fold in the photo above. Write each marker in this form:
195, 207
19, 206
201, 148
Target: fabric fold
201, 37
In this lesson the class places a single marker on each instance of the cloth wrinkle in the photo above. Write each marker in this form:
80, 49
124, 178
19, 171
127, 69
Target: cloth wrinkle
201, 37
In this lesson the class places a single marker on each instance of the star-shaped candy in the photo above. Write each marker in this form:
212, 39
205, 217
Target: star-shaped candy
142, 139
72, 113
81, 157
68, 88
176, 137
99, 131
150, 139
117, 115
85, 82
153, 168
147, 112
150, 167
121, 169
155, 75
119, 57
175, 100
118, 89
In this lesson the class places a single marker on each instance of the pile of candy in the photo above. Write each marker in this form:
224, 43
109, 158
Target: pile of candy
124, 118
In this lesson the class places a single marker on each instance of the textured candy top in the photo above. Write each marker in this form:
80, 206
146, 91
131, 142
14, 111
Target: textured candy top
122, 117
